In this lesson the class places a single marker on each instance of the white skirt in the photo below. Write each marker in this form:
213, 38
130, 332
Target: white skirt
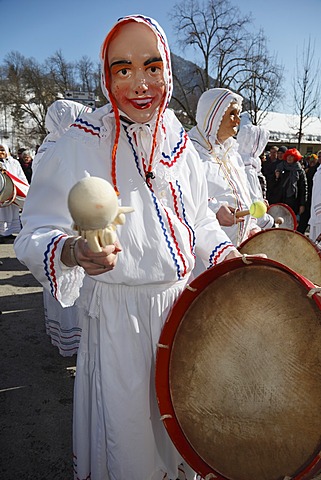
62, 325
118, 434
10, 220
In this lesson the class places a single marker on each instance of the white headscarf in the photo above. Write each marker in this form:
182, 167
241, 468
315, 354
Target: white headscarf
211, 108
252, 140
5, 146
60, 115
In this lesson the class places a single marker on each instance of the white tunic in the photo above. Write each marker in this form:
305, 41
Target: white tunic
224, 169
228, 185
10, 215
315, 218
116, 420
252, 140
62, 324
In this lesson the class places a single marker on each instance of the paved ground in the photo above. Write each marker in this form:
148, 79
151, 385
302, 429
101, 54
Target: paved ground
35, 386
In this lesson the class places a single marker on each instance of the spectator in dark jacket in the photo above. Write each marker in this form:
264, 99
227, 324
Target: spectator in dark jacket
268, 170
26, 164
313, 164
290, 183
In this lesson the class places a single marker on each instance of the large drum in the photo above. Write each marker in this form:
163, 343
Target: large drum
289, 247
12, 190
238, 373
283, 215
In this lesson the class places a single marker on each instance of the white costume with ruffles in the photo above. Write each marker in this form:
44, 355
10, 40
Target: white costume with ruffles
118, 433
315, 218
60, 115
62, 324
252, 140
10, 215
223, 165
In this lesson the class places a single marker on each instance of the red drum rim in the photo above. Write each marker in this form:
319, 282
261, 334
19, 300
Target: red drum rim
289, 209
163, 358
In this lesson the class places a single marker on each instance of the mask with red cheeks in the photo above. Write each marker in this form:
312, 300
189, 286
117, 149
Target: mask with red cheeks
135, 71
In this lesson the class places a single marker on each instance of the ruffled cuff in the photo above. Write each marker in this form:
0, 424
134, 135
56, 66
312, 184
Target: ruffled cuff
64, 282
220, 253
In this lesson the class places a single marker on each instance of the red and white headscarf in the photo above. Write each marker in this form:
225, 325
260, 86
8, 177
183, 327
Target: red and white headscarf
168, 80
210, 111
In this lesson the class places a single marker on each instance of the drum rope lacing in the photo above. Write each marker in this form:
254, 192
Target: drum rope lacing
191, 289
209, 476
245, 260
311, 292
164, 417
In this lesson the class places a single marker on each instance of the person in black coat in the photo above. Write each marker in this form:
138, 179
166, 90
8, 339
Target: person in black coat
268, 170
26, 164
290, 182
313, 162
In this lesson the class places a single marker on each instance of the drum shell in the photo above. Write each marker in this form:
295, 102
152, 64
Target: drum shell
12, 190
7, 190
172, 352
284, 211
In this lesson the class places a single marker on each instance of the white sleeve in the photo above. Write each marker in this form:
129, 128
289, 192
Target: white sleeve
39, 244
212, 243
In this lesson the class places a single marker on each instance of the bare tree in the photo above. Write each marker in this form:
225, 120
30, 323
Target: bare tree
212, 28
27, 88
187, 80
26, 92
261, 81
85, 71
306, 88
229, 55
62, 71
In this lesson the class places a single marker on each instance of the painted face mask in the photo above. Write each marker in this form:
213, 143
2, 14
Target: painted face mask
136, 72
135, 59
211, 108
136, 77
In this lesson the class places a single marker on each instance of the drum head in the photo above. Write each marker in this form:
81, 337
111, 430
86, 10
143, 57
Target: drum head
2, 183
238, 372
283, 211
7, 190
289, 247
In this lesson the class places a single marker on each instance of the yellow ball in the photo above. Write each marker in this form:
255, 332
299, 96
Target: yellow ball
258, 209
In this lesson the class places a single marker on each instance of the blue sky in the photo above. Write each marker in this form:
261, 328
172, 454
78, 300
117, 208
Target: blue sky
38, 28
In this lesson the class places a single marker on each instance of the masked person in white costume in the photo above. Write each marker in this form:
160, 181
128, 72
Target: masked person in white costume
315, 215
217, 120
139, 146
10, 215
60, 115
62, 324
252, 140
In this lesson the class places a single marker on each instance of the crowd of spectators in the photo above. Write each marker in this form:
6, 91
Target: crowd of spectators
289, 180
